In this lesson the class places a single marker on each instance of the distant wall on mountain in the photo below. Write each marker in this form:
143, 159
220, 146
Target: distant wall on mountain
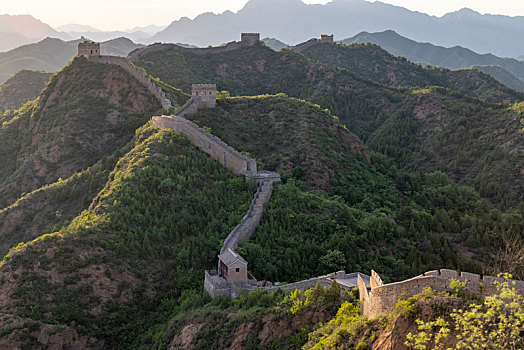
133, 56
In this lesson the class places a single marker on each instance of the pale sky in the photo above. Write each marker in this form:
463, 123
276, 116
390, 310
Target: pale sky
124, 14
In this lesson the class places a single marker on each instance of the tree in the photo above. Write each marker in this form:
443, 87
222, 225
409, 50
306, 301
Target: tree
333, 260
333, 293
510, 257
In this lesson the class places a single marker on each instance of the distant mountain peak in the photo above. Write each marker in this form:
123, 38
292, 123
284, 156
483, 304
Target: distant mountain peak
73, 27
462, 13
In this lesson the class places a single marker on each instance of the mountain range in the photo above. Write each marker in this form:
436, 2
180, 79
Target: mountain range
293, 22
107, 224
24, 29
453, 58
21, 30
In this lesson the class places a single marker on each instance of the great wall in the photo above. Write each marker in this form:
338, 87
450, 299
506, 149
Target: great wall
379, 298
246, 40
135, 72
232, 277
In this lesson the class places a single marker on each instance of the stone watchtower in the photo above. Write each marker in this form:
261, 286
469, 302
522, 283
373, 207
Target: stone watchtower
324, 38
250, 39
206, 94
232, 267
88, 48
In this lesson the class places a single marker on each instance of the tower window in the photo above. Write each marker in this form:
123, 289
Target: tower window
237, 269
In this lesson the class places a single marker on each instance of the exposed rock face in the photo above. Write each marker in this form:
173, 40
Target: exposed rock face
29, 334
268, 329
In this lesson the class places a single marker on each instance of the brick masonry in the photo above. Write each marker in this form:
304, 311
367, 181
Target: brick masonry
382, 298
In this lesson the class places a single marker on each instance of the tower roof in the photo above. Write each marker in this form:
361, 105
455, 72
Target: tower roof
230, 257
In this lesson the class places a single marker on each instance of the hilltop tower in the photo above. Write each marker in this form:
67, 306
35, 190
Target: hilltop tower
250, 39
324, 38
206, 94
88, 48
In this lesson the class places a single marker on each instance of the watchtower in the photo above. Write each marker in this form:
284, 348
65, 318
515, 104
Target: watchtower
324, 38
88, 48
205, 93
250, 39
232, 267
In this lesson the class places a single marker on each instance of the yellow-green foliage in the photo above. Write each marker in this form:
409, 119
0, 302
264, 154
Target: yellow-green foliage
494, 323
297, 301
347, 325
519, 108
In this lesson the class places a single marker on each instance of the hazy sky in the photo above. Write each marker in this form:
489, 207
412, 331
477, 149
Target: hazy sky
123, 14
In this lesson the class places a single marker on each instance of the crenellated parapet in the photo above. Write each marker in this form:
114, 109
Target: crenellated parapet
205, 94
250, 39
381, 298
88, 48
230, 158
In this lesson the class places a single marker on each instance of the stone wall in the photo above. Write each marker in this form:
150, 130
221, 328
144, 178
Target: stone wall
250, 38
242, 165
324, 38
212, 145
88, 48
303, 46
251, 220
138, 74
216, 286
383, 298
234, 45
205, 94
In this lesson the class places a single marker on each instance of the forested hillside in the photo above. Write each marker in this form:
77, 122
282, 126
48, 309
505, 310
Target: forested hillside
22, 87
371, 61
411, 125
336, 209
425, 53
87, 111
107, 223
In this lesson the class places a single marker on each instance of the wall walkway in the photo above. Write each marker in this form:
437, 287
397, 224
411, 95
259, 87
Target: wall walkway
230, 158
240, 164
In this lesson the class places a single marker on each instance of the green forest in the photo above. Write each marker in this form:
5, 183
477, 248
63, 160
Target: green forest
107, 223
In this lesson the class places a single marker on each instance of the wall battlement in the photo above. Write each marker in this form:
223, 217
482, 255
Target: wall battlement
250, 38
382, 298
88, 48
137, 73
250, 221
324, 38
230, 158
206, 94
